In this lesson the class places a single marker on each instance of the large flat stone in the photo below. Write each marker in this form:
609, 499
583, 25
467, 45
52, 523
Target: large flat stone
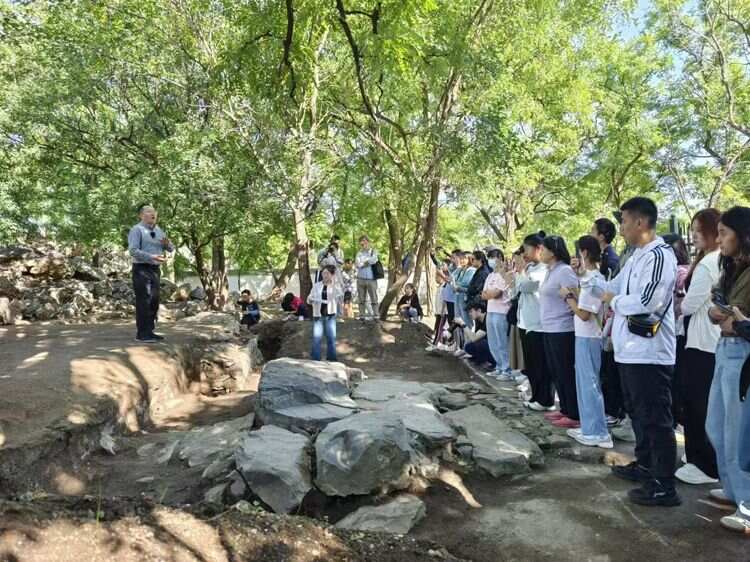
276, 465
286, 384
397, 516
496, 448
308, 418
383, 390
363, 453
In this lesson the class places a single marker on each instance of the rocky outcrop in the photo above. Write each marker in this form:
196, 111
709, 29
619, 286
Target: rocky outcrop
396, 516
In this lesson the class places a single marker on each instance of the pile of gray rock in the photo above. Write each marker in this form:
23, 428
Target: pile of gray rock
326, 428
43, 281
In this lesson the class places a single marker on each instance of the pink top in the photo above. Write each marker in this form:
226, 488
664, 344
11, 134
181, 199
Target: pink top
501, 304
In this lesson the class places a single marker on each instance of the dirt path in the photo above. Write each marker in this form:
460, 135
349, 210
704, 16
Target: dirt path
567, 511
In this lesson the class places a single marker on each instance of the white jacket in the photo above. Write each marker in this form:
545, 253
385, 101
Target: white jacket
527, 287
702, 333
645, 286
315, 298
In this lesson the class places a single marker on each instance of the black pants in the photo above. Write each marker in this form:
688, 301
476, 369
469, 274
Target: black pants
540, 379
451, 308
647, 390
614, 404
146, 280
695, 381
560, 351
678, 400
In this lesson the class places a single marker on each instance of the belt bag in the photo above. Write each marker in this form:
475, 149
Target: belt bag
645, 325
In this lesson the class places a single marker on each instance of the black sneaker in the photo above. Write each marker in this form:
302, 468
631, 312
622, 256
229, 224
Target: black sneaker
147, 339
633, 472
653, 493
157, 337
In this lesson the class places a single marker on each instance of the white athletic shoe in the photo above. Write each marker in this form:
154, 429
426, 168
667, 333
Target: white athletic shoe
721, 498
537, 407
602, 443
574, 432
739, 522
691, 474
430, 348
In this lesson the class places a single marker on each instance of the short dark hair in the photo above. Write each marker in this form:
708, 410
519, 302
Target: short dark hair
556, 245
591, 245
479, 255
245, 292
477, 305
495, 253
606, 228
409, 285
644, 208
335, 238
535, 240
330, 269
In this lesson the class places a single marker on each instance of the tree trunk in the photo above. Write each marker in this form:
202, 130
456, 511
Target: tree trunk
429, 230
396, 247
282, 280
302, 249
218, 286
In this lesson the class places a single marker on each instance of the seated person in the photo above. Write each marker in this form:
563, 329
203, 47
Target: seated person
295, 306
250, 309
477, 347
408, 305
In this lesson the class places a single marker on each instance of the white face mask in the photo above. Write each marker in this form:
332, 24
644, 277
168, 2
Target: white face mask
492, 262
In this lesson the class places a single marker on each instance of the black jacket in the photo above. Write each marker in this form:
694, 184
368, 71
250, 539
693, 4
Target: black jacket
412, 301
477, 284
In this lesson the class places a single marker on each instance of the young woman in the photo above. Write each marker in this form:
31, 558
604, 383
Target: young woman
588, 354
527, 285
677, 243
496, 293
408, 305
482, 270
725, 409
559, 330
698, 362
324, 298
461, 280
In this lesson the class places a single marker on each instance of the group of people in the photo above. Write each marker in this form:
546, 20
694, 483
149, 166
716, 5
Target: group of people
649, 335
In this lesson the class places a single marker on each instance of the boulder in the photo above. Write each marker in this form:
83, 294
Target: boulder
454, 401
363, 453
85, 271
53, 265
12, 253
203, 446
166, 287
299, 394
425, 424
198, 294
495, 447
396, 516
275, 463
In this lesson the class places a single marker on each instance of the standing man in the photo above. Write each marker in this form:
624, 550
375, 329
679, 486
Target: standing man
146, 245
366, 282
604, 231
644, 341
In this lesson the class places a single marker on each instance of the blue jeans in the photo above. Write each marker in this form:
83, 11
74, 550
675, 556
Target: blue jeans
461, 310
325, 324
409, 313
588, 387
725, 416
497, 337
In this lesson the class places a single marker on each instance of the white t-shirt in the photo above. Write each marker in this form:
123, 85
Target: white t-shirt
590, 328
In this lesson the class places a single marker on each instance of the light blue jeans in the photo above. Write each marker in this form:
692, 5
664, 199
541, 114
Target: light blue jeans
589, 389
409, 313
725, 414
325, 324
461, 311
497, 338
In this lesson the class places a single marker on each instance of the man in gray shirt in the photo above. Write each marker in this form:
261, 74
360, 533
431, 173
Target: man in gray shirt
366, 282
146, 245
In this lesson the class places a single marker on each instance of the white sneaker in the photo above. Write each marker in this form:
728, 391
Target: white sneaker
602, 443
691, 474
739, 522
430, 348
520, 379
504, 377
575, 432
459, 352
718, 495
537, 407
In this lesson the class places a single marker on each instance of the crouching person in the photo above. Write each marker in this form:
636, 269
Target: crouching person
324, 299
408, 306
250, 309
477, 348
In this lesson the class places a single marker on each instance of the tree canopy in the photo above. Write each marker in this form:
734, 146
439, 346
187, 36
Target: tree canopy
260, 128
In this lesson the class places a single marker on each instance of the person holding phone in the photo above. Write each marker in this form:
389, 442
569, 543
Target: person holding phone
324, 299
727, 413
147, 245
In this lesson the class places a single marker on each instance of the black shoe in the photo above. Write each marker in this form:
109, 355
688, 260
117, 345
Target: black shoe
633, 472
157, 337
146, 339
653, 493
